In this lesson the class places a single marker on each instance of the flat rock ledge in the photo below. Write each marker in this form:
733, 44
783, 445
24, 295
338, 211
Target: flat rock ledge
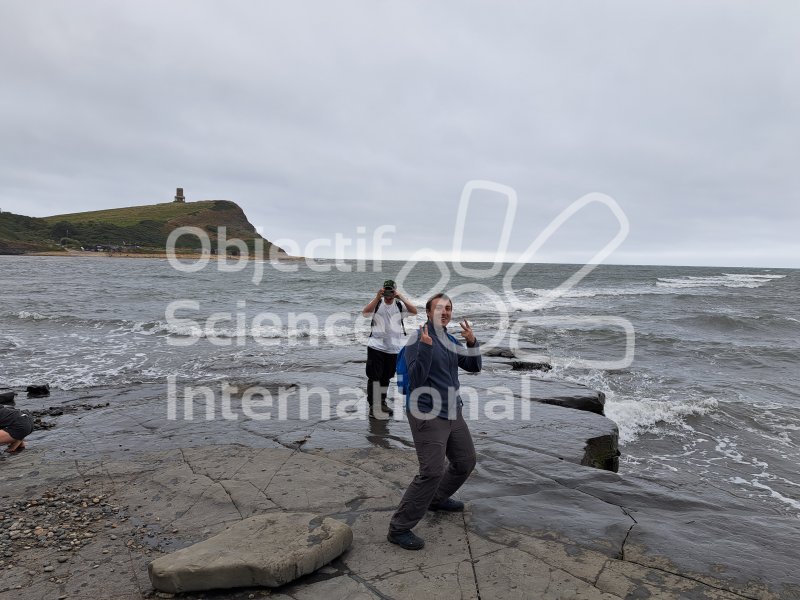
266, 550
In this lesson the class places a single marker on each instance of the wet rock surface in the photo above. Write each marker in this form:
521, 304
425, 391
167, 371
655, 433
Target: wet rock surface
538, 524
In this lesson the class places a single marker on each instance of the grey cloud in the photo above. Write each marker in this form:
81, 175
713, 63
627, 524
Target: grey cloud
321, 117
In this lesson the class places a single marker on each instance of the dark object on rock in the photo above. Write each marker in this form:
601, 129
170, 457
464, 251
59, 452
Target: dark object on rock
40, 425
57, 411
504, 352
520, 365
561, 393
38, 391
7, 396
592, 401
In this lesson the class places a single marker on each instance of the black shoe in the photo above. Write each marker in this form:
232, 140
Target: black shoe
385, 411
448, 504
406, 539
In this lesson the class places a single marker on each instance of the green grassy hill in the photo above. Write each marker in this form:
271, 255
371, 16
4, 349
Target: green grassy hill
137, 228
20, 234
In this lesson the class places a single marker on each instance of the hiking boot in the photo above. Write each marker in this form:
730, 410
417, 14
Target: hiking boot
406, 539
448, 504
384, 412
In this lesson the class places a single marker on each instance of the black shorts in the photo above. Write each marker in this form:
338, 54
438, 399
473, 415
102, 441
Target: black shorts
19, 427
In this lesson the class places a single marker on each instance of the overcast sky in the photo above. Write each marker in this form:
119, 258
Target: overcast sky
321, 117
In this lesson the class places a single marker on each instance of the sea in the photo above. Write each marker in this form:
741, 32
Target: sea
699, 365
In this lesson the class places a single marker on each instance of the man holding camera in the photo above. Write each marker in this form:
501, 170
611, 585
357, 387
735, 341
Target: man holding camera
385, 341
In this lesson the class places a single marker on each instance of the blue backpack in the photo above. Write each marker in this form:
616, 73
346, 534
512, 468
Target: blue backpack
403, 380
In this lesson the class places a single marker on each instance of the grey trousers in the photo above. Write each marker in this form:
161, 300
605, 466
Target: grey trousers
435, 439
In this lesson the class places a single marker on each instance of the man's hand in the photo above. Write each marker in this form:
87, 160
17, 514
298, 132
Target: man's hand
466, 331
424, 337
379, 295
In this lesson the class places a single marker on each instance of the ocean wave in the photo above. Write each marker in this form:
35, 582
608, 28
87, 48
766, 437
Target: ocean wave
10, 343
636, 416
728, 280
728, 322
196, 330
28, 315
638, 404
535, 299
581, 292
773, 493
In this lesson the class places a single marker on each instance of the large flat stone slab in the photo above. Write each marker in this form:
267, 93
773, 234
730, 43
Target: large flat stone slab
266, 550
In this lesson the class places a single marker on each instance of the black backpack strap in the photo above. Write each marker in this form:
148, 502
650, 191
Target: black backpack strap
400, 308
374, 312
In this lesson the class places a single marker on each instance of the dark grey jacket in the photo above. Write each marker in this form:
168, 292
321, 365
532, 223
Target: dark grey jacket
435, 367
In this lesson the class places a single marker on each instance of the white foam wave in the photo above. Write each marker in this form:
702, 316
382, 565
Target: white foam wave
637, 416
248, 331
728, 280
30, 315
580, 292
772, 493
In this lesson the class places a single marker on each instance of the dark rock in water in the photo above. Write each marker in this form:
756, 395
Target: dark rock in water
521, 365
602, 453
590, 400
38, 391
560, 393
7, 396
503, 352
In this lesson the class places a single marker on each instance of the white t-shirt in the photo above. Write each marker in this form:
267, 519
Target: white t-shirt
387, 332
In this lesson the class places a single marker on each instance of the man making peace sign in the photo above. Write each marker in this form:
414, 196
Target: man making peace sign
437, 425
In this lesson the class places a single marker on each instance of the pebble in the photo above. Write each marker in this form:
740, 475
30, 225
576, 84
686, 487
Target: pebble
58, 520
49, 569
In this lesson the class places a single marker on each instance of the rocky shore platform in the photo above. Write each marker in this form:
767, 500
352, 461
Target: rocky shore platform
108, 489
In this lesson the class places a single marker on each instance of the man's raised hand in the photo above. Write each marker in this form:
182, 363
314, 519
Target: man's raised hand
423, 335
466, 331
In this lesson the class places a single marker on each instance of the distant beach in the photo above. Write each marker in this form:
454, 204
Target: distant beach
162, 255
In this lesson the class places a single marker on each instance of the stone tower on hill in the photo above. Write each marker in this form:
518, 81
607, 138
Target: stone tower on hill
179, 197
